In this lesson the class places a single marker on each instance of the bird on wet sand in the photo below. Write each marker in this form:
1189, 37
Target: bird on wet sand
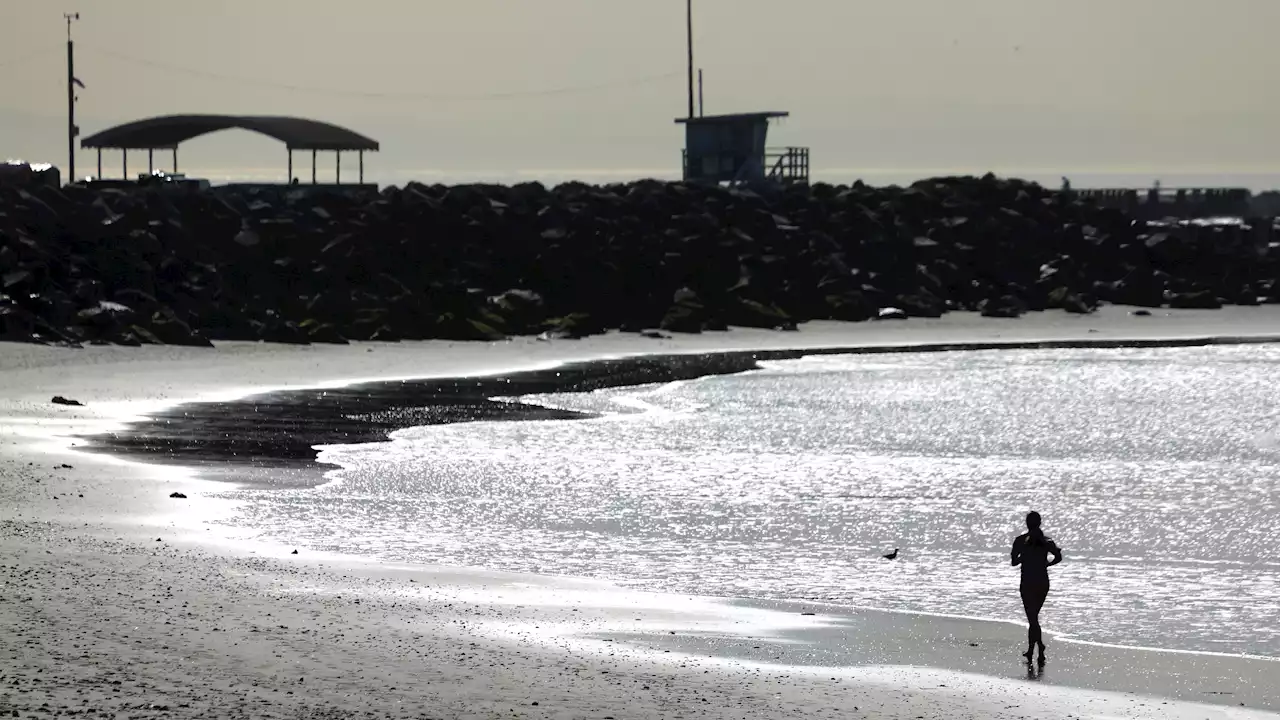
893, 555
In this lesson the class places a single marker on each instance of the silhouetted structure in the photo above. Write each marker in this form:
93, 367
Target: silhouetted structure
733, 149
167, 132
1157, 203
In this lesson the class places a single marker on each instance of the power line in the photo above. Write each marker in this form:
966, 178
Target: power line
24, 59
168, 67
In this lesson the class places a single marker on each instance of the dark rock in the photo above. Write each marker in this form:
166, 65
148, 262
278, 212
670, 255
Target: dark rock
749, 313
1006, 306
59, 400
178, 495
105, 321
458, 326
166, 327
1139, 290
922, 305
687, 313
1247, 296
573, 326
16, 324
1064, 299
483, 262
520, 310
851, 306
286, 332
321, 332
1197, 300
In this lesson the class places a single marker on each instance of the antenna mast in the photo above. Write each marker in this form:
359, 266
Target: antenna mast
702, 109
689, 12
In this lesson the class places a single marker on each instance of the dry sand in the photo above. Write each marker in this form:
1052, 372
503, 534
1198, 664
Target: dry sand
119, 601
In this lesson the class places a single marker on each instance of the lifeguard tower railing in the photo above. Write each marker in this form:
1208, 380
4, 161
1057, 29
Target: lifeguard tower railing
788, 165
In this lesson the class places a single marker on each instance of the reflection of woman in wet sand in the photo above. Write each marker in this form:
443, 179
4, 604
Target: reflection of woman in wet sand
1032, 550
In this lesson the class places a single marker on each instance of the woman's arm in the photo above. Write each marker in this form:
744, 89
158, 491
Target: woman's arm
1015, 555
1057, 554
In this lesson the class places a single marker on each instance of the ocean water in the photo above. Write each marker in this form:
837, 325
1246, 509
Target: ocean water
1156, 470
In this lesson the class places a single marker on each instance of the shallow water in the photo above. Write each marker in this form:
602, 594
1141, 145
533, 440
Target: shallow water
1156, 470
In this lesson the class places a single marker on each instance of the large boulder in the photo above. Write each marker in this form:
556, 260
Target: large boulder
687, 314
573, 326
520, 310
1005, 306
749, 313
1194, 300
920, 305
1064, 299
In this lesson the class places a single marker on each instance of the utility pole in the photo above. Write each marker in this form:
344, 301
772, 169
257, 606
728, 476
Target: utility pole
689, 13
72, 82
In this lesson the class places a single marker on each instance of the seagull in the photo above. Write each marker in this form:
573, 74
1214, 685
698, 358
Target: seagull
893, 555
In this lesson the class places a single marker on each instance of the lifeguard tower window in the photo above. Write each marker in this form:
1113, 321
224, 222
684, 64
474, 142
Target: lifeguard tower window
733, 149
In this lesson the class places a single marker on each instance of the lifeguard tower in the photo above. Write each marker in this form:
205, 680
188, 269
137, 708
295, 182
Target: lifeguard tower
733, 149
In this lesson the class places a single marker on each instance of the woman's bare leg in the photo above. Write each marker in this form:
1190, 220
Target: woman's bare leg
1028, 602
1032, 601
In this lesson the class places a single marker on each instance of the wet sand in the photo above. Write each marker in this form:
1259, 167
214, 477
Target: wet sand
97, 614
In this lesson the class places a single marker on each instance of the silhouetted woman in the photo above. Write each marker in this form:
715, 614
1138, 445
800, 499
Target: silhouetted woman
1032, 550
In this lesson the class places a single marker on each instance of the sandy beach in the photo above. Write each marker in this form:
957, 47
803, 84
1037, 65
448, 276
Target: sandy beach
120, 601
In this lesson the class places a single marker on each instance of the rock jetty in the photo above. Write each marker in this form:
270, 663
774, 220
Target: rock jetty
156, 265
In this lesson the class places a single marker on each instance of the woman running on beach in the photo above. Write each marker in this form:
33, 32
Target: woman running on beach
1031, 550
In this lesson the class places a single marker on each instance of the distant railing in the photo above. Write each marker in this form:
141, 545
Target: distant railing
778, 165
1178, 202
788, 165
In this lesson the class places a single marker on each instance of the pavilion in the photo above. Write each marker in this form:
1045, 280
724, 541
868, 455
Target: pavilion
167, 132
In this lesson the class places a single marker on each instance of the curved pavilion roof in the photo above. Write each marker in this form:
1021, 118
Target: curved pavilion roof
168, 131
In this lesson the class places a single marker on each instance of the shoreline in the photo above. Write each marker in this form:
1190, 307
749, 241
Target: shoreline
977, 688
207, 434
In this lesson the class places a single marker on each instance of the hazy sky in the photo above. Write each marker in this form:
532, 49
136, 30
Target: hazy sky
460, 89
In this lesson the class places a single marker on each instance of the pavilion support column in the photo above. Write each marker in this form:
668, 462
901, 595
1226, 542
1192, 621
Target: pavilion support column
290, 178
337, 168
175, 159
124, 161
313, 167
99, 176
151, 169
361, 155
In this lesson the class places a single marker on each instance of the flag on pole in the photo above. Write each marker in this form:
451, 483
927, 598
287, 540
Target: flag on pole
76, 80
